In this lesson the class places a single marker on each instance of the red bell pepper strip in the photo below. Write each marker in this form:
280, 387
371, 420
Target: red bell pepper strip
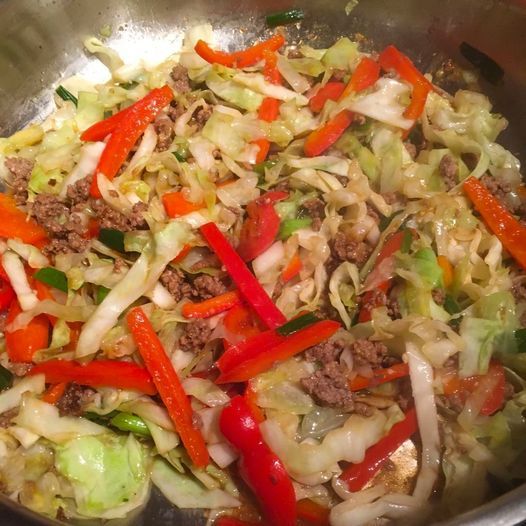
100, 130
261, 225
23, 343
463, 387
16, 224
312, 512
510, 232
392, 245
250, 365
391, 59
211, 306
168, 384
380, 376
261, 469
176, 205
54, 393
128, 132
358, 475
239, 59
245, 281
7, 294
264, 147
269, 109
324, 137
292, 269
270, 68
241, 322
367, 72
184, 252
331, 91
98, 373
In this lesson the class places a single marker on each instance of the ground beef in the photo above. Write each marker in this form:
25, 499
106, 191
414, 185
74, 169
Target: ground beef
498, 188
325, 352
316, 209
343, 248
7, 416
176, 283
66, 230
439, 296
393, 308
329, 387
366, 352
404, 398
164, 129
74, 399
372, 300
110, 218
282, 186
208, 286
371, 212
175, 110
20, 169
470, 160
448, 169
181, 82
519, 291
195, 336
201, 116
79, 192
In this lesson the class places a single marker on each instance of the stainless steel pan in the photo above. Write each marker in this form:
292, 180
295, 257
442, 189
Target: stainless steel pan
41, 41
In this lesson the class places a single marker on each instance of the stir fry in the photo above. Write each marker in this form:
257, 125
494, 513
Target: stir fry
260, 280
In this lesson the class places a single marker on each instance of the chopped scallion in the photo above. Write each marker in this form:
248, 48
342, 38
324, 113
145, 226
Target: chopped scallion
64, 94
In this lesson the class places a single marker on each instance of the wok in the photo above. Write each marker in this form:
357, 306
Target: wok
41, 42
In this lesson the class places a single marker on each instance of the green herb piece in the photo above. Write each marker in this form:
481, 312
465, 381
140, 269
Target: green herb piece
451, 306
102, 292
289, 226
297, 324
130, 423
291, 16
64, 94
406, 241
260, 167
112, 238
6, 378
53, 277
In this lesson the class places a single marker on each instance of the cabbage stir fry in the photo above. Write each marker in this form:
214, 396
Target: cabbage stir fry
255, 280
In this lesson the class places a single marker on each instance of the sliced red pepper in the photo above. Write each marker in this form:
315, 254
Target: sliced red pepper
358, 475
270, 68
251, 400
93, 228
23, 343
462, 388
232, 521
7, 294
239, 59
331, 91
391, 59
252, 363
16, 224
269, 109
510, 232
128, 132
245, 281
241, 322
211, 306
184, 252
264, 147
380, 376
261, 225
367, 72
324, 137
176, 205
312, 512
261, 469
54, 393
98, 373
100, 130
292, 269
168, 384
